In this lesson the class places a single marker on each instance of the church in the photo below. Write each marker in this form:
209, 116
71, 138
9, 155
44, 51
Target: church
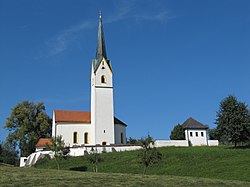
99, 126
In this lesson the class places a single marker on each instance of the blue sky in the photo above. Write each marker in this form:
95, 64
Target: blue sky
171, 59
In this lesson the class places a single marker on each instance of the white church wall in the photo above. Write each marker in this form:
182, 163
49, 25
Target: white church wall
102, 106
53, 125
195, 136
67, 130
168, 143
104, 116
120, 129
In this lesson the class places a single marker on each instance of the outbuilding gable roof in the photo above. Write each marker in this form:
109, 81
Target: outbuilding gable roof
77, 117
191, 123
43, 141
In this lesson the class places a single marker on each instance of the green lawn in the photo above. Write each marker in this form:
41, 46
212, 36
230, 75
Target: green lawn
205, 162
13, 176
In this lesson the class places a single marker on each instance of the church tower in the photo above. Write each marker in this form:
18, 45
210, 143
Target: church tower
102, 104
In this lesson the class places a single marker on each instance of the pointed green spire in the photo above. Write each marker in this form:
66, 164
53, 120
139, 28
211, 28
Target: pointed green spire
100, 49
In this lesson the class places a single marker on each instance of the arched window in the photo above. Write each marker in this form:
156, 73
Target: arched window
75, 137
103, 79
104, 143
86, 138
122, 142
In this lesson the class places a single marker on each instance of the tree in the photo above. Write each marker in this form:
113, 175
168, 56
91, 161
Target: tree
94, 158
27, 123
57, 146
232, 121
8, 154
177, 133
132, 141
213, 134
149, 154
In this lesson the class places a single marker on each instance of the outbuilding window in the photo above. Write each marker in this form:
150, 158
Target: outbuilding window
196, 133
202, 134
75, 138
191, 133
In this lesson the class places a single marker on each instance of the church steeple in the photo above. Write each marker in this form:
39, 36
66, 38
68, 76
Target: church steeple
100, 49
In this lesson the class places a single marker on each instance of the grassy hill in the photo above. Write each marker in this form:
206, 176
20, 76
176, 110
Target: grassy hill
13, 176
206, 162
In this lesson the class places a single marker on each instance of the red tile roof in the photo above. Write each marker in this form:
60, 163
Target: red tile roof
43, 141
72, 116
77, 116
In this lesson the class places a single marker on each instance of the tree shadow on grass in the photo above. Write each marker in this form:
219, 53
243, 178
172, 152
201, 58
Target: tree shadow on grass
81, 168
240, 147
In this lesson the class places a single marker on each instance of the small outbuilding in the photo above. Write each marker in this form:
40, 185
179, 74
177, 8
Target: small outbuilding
195, 132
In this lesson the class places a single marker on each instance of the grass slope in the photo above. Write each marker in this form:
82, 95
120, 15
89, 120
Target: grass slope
206, 162
13, 176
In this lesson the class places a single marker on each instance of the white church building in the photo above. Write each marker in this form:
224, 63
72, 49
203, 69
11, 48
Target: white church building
100, 126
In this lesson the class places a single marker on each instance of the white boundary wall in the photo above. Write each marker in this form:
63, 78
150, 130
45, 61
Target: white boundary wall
76, 151
213, 142
168, 143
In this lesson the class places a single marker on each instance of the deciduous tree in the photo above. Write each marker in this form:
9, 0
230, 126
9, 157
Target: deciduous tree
57, 146
26, 124
148, 155
94, 158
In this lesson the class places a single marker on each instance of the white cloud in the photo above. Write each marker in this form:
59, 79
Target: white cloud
60, 42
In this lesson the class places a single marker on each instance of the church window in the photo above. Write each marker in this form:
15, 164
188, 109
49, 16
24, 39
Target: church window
122, 138
103, 79
104, 131
202, 134
86, 138
75, 137
191, 133
196, 133
104, 143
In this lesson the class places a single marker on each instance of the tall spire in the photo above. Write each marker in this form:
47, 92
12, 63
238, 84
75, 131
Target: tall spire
100, 49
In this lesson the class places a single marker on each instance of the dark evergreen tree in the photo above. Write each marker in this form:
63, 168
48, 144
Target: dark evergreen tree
27, 123
233, 124
8, 154
177, 133
213, 134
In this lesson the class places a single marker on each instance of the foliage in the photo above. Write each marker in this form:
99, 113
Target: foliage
8, 155
213, 134
133, 141
233, 121
177, 133
59, 149
149, 154
94, 158
1, 151
27, 123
